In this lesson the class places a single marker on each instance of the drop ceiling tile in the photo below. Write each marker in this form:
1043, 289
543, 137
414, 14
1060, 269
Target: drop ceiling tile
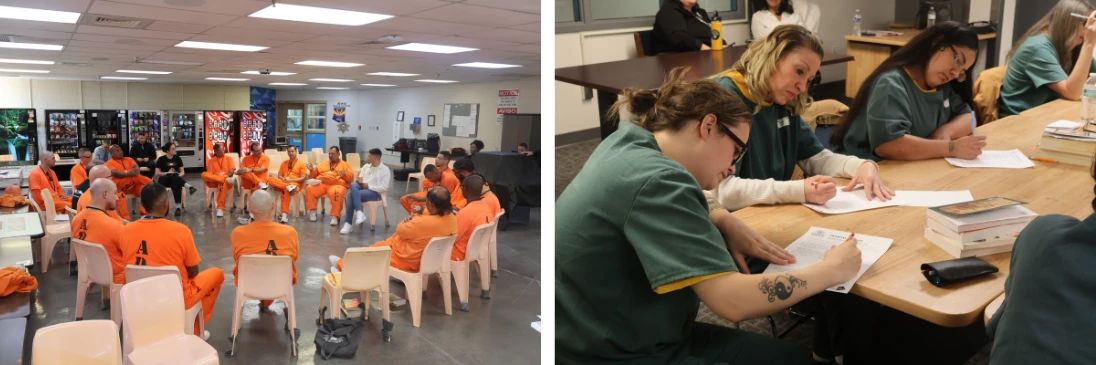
524, 48
157, 13
227, 7
129, 52
525, 6
167, 26
510, 35
123, 40
530, 27
409, 24
251, 33
397, 8
477, 15
131, 33
41, 34
114, 45
47, 26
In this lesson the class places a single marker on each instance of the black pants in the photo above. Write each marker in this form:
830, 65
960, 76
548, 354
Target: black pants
151, 165
176, 184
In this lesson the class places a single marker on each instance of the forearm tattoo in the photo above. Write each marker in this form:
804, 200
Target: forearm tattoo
780, 288
951, 146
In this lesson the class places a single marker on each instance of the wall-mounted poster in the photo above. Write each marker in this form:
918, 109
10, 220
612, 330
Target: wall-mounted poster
220, 129
430, 120
339, 116
399, 116
252, 129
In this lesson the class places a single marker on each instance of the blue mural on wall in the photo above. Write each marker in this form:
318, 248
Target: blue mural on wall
263, 99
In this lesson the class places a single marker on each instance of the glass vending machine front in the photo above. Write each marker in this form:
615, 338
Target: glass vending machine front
64, 132
105, 126
146, 122
183, 129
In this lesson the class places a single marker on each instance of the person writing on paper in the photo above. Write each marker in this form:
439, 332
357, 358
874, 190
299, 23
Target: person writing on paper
774, 13
916, 104
630, 277
1051, 60
1046, 314
681, 26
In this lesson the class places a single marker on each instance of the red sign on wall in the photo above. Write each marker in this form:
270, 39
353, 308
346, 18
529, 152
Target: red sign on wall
507, 111
508, 92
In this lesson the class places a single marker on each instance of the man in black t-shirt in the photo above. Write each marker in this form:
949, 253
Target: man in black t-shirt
144, 153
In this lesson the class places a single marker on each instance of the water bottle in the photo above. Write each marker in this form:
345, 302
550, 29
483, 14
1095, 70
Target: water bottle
717, 32
1088, 101
856, 19
931, 17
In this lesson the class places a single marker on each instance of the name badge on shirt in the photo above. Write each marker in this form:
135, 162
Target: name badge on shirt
947, 103
783, 122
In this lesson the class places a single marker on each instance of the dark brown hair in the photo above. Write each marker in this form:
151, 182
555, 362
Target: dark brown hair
679, 101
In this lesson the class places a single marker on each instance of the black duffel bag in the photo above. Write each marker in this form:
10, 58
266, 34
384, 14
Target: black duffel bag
339, 338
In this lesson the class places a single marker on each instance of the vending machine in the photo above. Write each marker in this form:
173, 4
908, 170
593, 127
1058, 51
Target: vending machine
220, 128
19, 134
184, 129
252, 129
105, 126
63, 132
145, 122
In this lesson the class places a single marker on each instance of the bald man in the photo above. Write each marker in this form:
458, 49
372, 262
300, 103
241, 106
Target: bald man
335, 177
95, 225
263, 236
155, 241
121, 213
416, 231
43, 178
434, 177
126, 173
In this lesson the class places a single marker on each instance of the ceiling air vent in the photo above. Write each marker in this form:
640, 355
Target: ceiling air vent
385, 39
115, 22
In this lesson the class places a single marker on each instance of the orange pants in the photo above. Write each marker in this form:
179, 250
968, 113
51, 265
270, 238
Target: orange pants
408, 203
250, 181
396, 262
279, 186
59, 203
131, 185
334, 192
223, 188
204, 288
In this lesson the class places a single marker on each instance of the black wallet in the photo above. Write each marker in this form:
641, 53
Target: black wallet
950, 271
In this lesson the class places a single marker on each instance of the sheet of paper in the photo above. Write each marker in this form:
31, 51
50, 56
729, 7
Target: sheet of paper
810, 248
9, 173
1065, 124
535, 325
1010, 159
61, 218
855, 200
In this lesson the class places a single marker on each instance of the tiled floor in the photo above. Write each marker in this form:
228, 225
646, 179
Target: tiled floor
494, 331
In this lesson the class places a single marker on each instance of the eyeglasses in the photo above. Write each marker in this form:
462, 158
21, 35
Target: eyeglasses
85, 157
960, 60
737, 141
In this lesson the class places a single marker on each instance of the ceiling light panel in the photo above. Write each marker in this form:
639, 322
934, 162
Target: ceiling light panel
312, 14
437, 81
331, 88
391, 74
272, 73
330, 80
26, 62
486, 65
11, 12
329, 64
220, 46
35, 46
378, 85
22, 71
431, 48
144, 72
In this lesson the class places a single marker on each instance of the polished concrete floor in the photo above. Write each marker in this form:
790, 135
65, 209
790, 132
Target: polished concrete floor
494, 331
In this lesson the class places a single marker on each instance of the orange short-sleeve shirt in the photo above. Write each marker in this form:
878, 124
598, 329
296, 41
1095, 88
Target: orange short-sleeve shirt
297, 171
264, 238
95, 226
160, 242
85, 199
473, 215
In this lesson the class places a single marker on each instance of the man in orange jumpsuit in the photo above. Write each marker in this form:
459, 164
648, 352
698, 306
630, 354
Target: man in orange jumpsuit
253, 172
263, 236
79, 172
43, 178
218, 175
95, 225
156, 241
126, 173
434, 177
415, 232
290, 180
335, 177
474, 214
119, 210
465, 168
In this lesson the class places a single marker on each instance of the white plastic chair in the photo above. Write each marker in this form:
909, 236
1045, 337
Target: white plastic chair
372, 205
194, 313
85, 342
211, 197
72, 218
365, 269
153, 322
270, 151
435, 260
475, 251
237, 190
355, 162
492, 246
265, 277
95, 268
320, 154
419, 175
54, 231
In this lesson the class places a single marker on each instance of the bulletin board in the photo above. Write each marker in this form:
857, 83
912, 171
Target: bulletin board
460, 120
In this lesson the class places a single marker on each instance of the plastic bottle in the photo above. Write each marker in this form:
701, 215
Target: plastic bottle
856, 20
1088, 101
931, 17
717, 33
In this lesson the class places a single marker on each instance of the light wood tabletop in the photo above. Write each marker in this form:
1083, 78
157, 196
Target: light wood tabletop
895, 280
993, 306
901, 40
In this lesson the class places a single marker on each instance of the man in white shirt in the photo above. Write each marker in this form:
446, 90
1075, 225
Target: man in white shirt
372, 183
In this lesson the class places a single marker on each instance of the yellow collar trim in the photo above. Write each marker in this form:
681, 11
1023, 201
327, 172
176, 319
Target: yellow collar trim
740, 83
915, 82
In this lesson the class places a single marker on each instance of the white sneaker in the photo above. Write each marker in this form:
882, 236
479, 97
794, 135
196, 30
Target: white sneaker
285, 218
220, 213
312, 215
346, 228
291, 189
263, 185
334, 221
359, 217
230, 181
205, 336
334, 260
243, 220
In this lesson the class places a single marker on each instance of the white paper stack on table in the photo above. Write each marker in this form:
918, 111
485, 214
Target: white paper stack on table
810, 248
856, 200
1067, 142
978, 234
1010, 159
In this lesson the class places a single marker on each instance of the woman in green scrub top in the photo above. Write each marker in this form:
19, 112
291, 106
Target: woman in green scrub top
636, 253
916, 104
1046, 64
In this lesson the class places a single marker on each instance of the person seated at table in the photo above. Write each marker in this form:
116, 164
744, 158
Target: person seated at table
218, 175
465, 168
523, 148
79, 172
773, 13
291, 176
630, 277
681, 26
102, 152
156, 241
43, 178
263, 236
13, 197
473, 148
371, 185
254, 173
916, 104
415, 232
100, 172
335, 177
95, 225
144, 154
1044, 65
126, 173
413, 203
1045, 316
170, 172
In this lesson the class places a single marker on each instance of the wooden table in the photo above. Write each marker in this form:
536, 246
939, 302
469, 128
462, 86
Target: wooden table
895, 280
870, 52
611, 78
993, 307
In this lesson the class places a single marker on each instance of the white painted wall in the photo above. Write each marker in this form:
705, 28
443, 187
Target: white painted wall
1008, 16
375, 112
41, 94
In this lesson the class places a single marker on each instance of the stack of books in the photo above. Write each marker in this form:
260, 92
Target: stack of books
1067, 142
978, 234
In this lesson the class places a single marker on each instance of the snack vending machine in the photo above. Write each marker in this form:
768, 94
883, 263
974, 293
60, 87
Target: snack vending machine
105, 126
145, 122
19, 134
64, 132
184, 129
252, 129
220, 128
